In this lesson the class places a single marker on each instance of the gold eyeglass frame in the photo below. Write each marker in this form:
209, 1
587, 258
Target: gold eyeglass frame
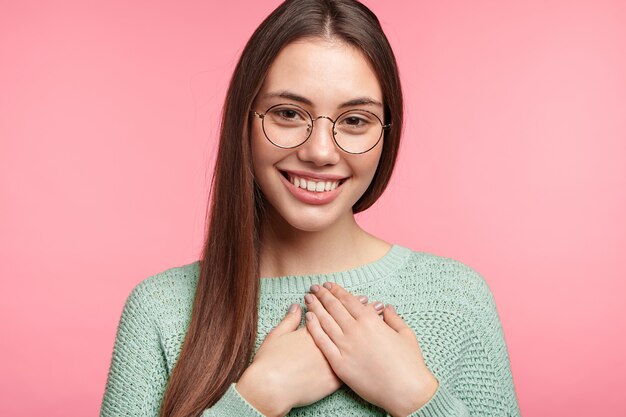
311, 126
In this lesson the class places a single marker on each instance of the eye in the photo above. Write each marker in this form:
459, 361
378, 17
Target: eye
354, 121
287, 114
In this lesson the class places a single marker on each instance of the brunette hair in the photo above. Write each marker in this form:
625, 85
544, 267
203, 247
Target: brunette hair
222, 331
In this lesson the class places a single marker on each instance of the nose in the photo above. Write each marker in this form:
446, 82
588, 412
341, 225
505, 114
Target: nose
320, 148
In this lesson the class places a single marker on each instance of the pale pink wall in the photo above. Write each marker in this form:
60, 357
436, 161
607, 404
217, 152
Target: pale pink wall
513, 162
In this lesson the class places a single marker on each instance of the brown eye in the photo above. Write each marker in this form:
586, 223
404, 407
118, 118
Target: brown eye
353, 121
288, 114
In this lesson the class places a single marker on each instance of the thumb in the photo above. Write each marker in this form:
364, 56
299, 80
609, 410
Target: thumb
393, 319
290, 322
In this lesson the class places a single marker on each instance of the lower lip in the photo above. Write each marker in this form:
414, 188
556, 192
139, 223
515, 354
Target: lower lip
311, 197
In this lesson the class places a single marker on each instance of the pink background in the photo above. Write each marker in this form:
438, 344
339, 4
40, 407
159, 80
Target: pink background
513, 162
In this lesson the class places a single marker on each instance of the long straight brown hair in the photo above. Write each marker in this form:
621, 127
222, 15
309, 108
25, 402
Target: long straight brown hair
222, 331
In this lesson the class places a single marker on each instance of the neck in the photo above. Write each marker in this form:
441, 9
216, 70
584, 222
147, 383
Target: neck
286, 251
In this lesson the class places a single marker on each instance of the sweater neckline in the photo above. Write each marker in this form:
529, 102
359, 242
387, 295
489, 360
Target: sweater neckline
366, 273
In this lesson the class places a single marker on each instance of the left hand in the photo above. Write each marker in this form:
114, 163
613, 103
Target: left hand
380, 360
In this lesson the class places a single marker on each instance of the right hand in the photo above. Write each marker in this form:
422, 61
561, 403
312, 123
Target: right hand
288, 370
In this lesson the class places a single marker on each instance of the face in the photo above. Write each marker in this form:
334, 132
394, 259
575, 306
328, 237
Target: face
325, 78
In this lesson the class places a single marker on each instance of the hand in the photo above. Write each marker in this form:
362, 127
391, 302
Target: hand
380, 360
288, 370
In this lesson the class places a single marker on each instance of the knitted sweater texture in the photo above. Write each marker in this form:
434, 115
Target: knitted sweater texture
447, 304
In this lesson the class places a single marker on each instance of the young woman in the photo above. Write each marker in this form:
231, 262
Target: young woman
310, 133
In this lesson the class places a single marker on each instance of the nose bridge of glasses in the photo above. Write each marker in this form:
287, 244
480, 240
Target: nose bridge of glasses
323, 117
313, 120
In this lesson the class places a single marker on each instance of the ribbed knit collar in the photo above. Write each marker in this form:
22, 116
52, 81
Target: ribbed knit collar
366, 273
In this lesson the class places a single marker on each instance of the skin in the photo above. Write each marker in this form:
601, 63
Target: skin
300, 238
344, 340
380, 360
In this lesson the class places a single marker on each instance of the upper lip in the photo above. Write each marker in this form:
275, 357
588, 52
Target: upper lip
314, 175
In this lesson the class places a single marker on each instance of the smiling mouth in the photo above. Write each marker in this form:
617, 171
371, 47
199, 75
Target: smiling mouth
318, 186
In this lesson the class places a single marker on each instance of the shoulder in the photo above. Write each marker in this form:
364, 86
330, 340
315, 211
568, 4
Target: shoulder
445, 278
173, 286
444, 287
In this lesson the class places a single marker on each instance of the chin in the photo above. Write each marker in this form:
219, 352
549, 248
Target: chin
309, 220
311, 226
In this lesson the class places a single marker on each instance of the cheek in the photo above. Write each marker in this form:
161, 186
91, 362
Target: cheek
369, 163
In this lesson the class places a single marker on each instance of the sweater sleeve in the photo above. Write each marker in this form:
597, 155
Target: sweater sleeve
232, 404
138, 373
443, 403
483, 386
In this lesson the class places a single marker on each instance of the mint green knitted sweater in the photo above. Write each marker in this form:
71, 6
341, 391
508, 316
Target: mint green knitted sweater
446, 303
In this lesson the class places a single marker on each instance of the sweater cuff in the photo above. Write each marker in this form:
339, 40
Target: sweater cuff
442, 404
232, 404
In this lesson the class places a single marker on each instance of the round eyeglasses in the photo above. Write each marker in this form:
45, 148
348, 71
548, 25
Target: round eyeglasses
354, 131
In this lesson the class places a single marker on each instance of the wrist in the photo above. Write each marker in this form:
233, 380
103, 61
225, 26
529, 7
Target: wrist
259, 390
411, 403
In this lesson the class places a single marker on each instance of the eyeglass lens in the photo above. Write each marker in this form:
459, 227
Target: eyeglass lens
355, 131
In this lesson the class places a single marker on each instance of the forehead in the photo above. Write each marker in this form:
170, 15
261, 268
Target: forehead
326, 72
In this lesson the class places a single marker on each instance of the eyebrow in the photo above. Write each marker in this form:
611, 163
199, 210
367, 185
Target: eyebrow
359, 101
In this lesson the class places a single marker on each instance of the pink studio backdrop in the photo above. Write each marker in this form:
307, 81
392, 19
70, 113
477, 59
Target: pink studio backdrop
512, 162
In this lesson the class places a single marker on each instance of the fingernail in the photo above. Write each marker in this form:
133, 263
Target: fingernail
314, 288
378, 306
363, 299
293, 308
309, 316
308, 298
328, 285
391, 307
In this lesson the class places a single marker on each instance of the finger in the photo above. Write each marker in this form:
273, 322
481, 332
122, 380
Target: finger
394, 320
322, 340
342, 305
328, 323
377, 307
289, 323
334, 307
363, 300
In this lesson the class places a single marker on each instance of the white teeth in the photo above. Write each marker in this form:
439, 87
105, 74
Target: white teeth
310, 185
